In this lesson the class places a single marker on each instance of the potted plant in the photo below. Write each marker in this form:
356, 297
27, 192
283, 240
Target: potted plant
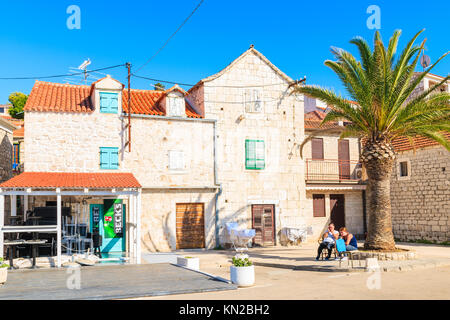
3, 271
189, 262
242, 272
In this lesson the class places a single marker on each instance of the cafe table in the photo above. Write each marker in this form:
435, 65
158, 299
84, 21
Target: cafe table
12, 250
34, 244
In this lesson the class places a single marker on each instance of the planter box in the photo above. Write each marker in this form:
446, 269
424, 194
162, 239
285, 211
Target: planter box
242, 276
191, 263
3, 275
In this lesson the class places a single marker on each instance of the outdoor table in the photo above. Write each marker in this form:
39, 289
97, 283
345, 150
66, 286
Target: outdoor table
12, 250
34, 220
33, 244
14, 220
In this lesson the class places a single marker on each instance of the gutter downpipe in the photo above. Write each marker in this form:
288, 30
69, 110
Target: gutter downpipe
216, 182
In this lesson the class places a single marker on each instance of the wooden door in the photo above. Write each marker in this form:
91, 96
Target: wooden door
337, 210
190, 225
263, 221
344, 159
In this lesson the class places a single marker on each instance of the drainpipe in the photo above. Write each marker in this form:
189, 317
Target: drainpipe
364, 211
216, 182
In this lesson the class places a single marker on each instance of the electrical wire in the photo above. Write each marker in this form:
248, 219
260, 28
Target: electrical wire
173, 34
60, 75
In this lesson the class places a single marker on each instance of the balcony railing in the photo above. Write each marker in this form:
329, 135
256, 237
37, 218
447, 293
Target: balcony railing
333, 170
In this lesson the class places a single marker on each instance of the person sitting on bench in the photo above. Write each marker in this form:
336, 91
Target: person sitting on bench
328, 242
350, 240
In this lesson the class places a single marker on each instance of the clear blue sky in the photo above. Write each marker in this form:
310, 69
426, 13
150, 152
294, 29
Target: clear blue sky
295, 35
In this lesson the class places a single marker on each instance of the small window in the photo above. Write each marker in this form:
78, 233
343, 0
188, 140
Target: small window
176, 106
109, 158
254, 154
109, 102
318, 205
2, 110
253, 101
176, 160
404, 169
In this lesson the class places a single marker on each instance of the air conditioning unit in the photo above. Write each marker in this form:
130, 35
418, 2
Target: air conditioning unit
358, 173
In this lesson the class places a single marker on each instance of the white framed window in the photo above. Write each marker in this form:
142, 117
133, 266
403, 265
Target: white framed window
176, 106
253, 100
403, 169
176, 160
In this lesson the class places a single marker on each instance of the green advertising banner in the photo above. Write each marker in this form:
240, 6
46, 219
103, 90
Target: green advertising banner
112, 219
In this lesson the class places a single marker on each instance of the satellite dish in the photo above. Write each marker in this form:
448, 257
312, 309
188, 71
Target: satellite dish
425, 61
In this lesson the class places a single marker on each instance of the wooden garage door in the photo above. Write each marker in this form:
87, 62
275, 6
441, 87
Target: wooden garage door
190, 225
264, 224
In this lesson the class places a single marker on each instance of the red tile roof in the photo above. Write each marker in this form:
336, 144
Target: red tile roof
314, 118
19, 133
57, 97
403, 144
72, 180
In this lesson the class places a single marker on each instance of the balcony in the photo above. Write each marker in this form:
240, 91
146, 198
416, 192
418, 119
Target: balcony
333, 171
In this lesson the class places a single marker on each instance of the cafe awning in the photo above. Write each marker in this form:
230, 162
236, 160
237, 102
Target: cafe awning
72, 180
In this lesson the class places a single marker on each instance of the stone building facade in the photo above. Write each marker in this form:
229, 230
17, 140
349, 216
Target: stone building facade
420, 184
6, 148
420, 194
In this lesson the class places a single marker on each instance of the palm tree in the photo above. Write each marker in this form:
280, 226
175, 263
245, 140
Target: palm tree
382, 87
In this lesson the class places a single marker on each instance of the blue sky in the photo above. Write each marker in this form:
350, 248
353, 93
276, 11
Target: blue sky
295, 35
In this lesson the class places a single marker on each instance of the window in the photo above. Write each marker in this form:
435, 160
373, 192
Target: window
16, 154
317, 148
253, 101
2, 110
318, 205
176, 160
254, 154
109, 158
109, 102
176, 106
403, 169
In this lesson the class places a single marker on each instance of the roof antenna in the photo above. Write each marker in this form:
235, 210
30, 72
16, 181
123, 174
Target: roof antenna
83, 67
425, 61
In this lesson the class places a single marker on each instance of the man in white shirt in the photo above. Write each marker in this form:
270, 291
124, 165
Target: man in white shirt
329, 240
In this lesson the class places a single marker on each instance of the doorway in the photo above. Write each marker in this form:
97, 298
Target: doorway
263, 221
109, 218
337, 210
344, 159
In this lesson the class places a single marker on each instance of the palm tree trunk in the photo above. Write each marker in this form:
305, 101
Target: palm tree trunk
379, 170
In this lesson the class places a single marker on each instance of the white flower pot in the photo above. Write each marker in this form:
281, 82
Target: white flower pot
242, 276
191, 263
3, 275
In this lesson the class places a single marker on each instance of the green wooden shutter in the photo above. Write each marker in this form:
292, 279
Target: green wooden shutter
254, 154
109, 102
109, 158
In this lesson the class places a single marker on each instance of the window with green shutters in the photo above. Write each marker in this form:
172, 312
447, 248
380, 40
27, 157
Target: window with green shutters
109, 102
109, 158
254, 154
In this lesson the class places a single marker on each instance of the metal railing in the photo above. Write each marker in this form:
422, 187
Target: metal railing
333, 170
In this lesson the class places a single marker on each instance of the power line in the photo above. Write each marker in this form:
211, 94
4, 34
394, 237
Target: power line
173, 34
61, 75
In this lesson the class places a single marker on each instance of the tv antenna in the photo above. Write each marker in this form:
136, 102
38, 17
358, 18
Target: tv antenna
83, 67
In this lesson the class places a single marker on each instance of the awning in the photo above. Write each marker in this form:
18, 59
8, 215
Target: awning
72, 180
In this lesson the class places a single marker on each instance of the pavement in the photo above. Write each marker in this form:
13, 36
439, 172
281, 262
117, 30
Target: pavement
287, 273
107, 282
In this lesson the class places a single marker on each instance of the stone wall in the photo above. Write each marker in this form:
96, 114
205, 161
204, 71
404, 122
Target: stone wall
6, 149
70, 142
421, 201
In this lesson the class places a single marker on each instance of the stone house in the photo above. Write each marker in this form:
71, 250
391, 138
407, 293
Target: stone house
79, 130
335, 189
420, 185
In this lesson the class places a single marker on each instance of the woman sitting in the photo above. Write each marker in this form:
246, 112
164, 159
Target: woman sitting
328, 241
350, 240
